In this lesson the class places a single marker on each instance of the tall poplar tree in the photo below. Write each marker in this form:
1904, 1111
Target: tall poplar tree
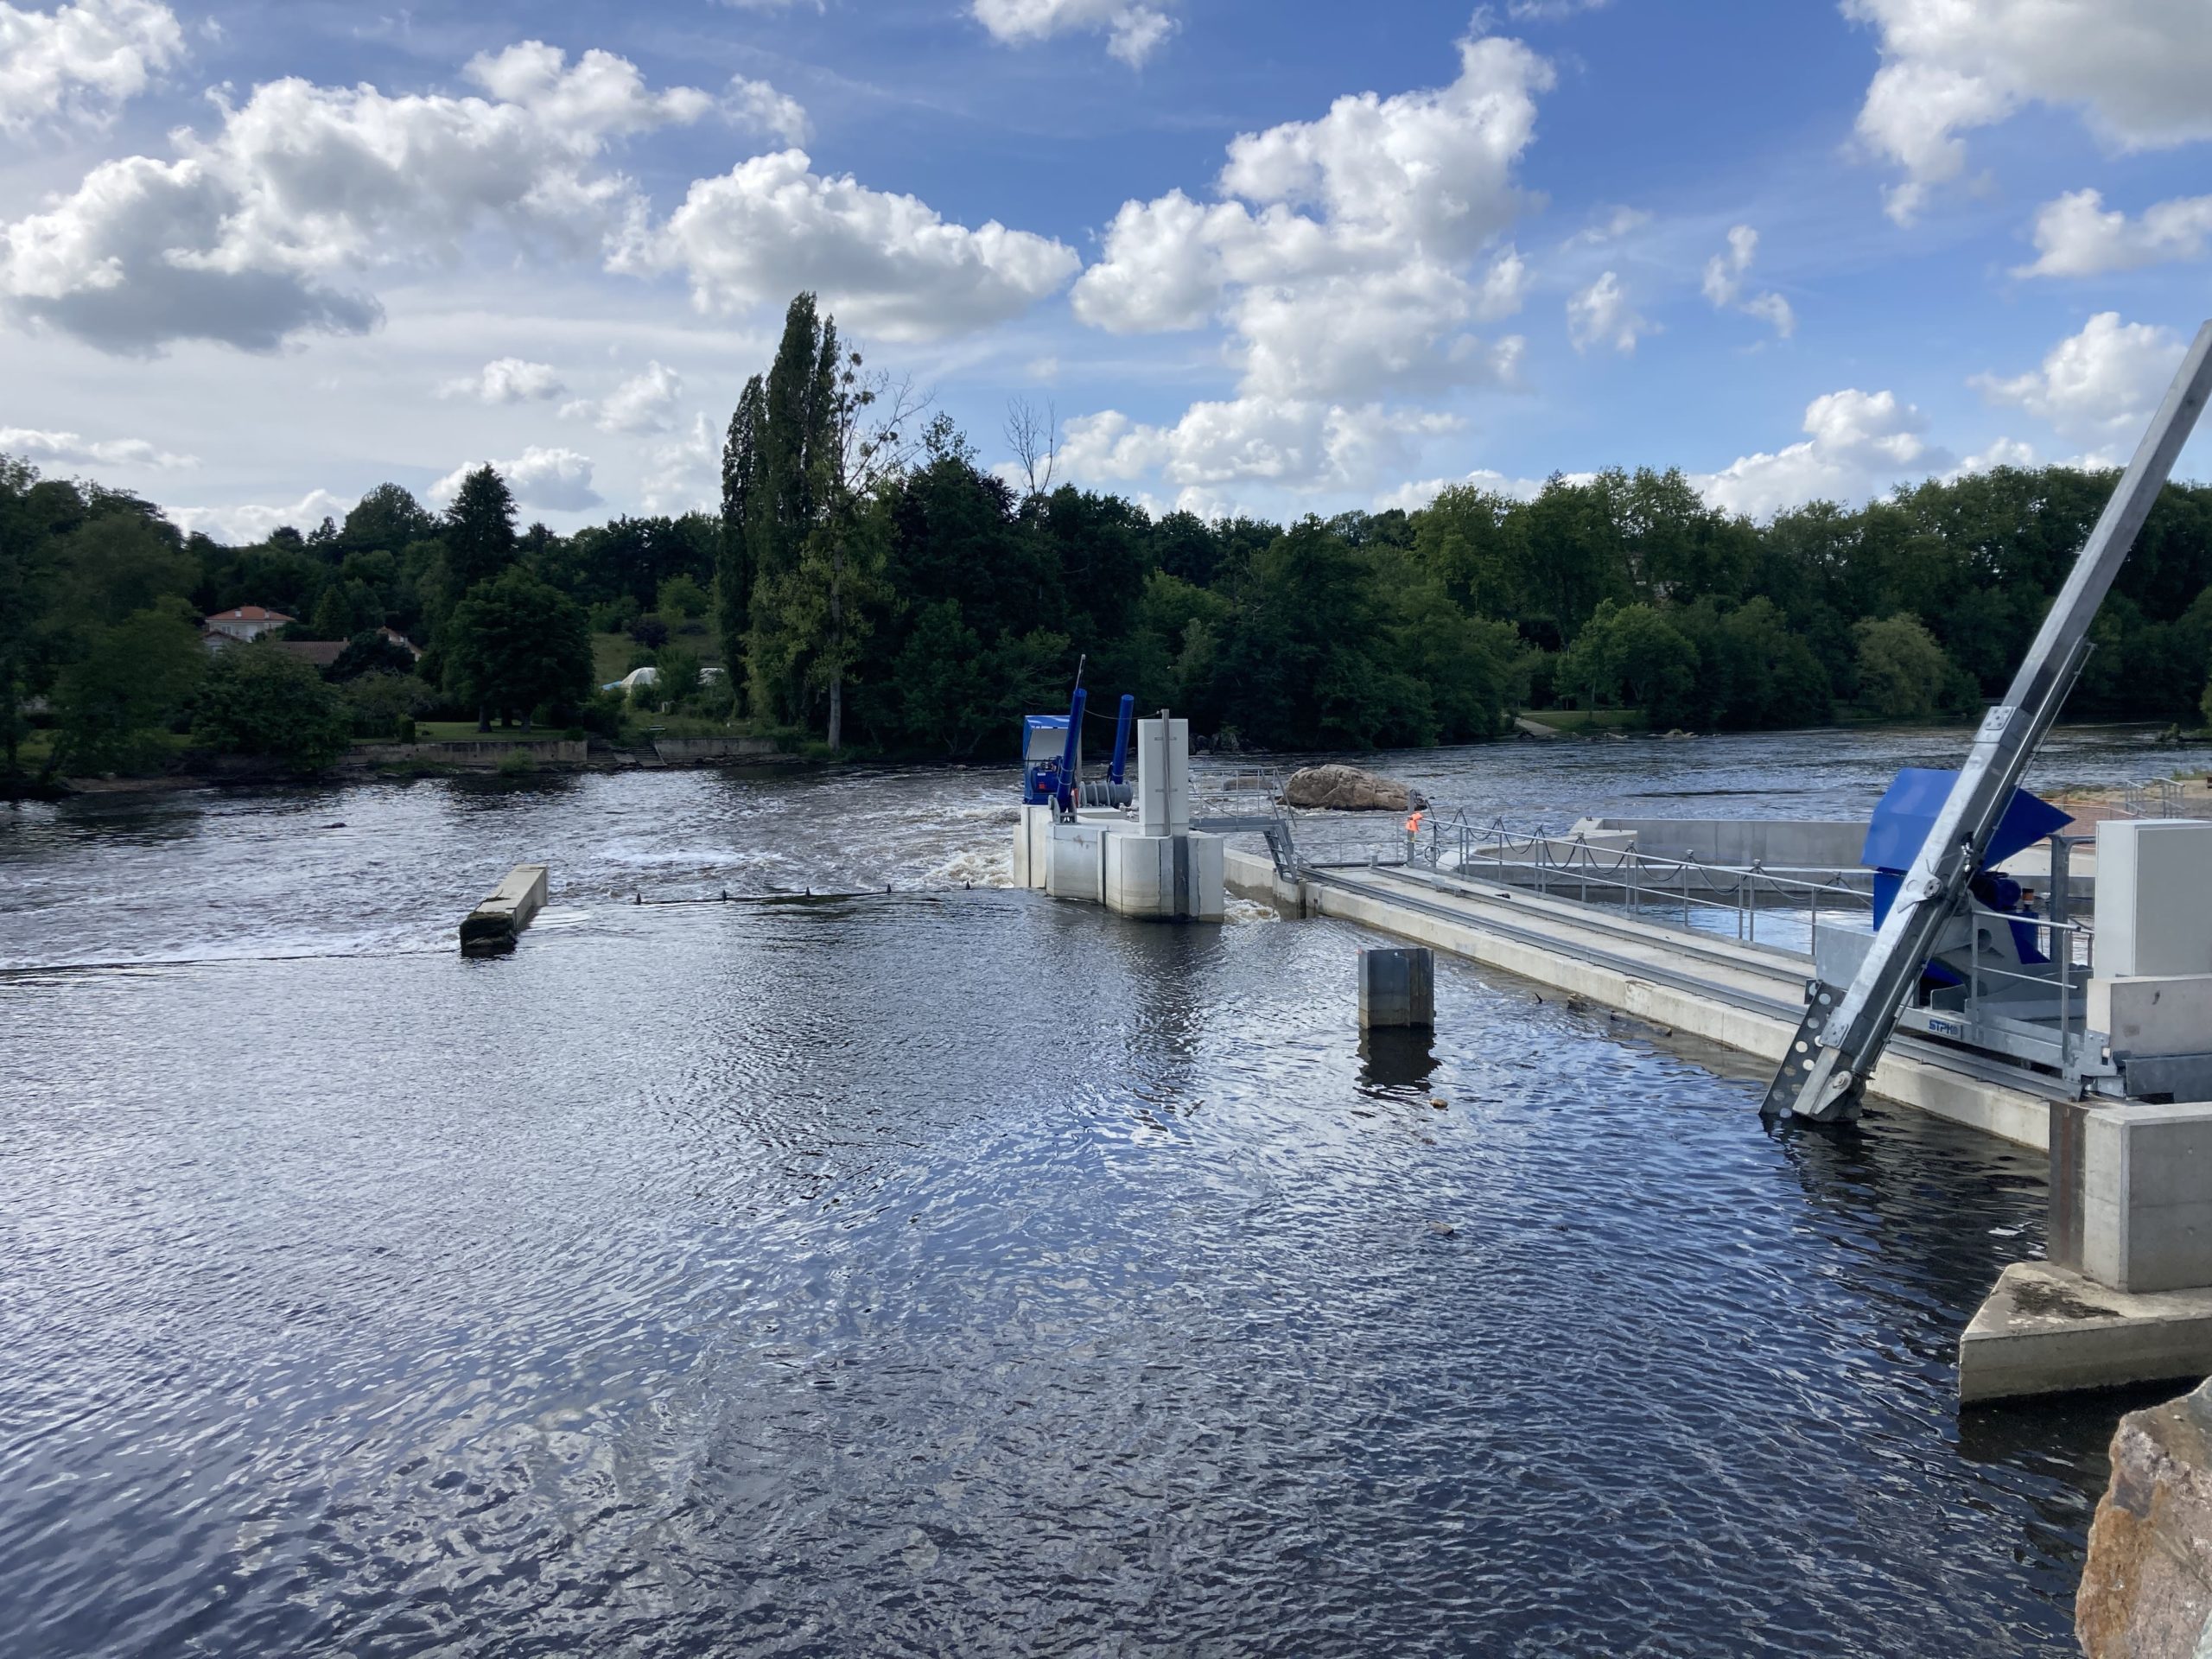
744, 495
795, 435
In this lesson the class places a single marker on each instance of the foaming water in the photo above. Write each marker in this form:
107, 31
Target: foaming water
932, 1272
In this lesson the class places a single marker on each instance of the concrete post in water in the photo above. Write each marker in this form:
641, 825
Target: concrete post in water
1397, 988
490, 928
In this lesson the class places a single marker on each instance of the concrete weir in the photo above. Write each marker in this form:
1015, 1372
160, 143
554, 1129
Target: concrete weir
1748, 997
490, 928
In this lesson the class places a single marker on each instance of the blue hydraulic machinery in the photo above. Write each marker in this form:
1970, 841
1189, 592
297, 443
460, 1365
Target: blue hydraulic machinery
1845, 1028
1051, 758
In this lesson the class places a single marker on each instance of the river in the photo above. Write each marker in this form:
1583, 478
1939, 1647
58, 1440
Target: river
949, 1270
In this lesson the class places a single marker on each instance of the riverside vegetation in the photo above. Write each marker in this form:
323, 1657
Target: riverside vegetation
868, 578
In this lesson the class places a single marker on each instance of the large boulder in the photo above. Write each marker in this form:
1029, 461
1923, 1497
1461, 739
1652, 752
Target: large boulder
1348, 789
2147, 1588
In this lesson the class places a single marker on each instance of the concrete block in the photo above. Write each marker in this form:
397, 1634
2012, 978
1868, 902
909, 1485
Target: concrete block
1166, 877
2154, 897
1397, 988
1077, 867
490, 928
1033, 841
2169, 1013
2146, 1197
2045, 1330
1163, 777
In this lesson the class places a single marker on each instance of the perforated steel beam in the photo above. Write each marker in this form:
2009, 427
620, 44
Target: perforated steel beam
1845, 1028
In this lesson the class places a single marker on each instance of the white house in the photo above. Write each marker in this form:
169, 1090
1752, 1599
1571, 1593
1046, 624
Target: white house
246, 623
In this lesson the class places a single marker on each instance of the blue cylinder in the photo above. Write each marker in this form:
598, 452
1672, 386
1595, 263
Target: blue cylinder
1068, 756
1122, 738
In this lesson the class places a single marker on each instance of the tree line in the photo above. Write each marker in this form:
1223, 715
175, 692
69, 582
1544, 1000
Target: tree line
870, 580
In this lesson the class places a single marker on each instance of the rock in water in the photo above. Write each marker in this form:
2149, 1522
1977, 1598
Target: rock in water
1347, 789
2147, 1589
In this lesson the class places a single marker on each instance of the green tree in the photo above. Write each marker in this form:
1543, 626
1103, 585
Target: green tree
29, 585
516, 643
1903, 672
117, 704
1632, 652
681, 595
745, 493
385, 520
679, 677
797, 431
259, 701
480, 529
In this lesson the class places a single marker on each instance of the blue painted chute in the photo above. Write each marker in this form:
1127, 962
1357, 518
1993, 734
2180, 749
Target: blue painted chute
1908, 812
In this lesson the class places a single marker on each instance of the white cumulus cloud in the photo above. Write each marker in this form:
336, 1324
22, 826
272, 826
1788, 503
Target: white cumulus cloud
1300, 446
887, 264
2076, 237
83, 59
1412, 497
256, 233
558, 480
1132, 30
1601, 314
1856, 442
2140, 71
238, 526
506, 380
32, 444
2098, 385
758, 106
644, 403
1342, 256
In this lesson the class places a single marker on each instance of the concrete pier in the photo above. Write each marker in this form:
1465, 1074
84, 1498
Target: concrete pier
1397, 989
2048, 1330
490, 928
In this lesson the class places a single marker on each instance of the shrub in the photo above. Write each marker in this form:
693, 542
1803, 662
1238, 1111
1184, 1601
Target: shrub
264, 703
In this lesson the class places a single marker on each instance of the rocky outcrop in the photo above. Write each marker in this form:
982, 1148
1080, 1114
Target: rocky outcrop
2147, 1589
1348, 789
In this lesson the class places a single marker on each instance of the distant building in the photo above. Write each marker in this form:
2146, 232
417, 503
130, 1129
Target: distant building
321, 653
246, 623
400, 639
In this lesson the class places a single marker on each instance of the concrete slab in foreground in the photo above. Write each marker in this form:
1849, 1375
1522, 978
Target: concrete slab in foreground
2045, 1330
492, 926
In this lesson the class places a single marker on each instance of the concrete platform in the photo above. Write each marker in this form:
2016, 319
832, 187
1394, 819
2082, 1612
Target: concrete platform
2045, 1330
490, 928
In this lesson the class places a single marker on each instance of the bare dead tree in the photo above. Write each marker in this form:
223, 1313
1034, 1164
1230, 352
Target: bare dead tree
1035, 441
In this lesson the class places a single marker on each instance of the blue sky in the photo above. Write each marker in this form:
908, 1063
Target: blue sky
1271, 258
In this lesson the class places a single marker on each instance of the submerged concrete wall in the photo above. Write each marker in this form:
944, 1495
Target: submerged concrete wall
715, 748
1775, 842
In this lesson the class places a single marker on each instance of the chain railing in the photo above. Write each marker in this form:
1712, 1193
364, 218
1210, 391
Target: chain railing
1679, 892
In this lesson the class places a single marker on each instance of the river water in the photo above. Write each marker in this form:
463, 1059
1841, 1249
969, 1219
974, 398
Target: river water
949, 1270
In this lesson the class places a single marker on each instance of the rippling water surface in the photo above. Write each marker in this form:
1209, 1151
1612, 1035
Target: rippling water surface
948, 1271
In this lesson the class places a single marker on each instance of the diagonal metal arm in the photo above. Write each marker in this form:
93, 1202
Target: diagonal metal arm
1844, 1031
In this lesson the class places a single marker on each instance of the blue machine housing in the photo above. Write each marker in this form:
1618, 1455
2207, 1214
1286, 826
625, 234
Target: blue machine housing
1899, 829
1044, 739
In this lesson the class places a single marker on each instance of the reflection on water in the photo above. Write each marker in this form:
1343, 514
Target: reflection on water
1397, 1058
957, 1271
